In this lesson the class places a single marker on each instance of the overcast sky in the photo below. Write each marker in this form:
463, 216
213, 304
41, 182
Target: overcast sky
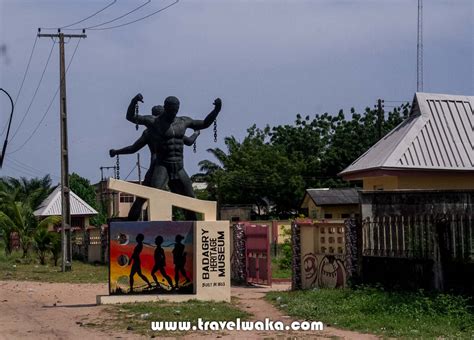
267, 60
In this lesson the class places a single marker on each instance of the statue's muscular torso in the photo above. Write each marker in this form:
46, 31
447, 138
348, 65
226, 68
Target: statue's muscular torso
167, 139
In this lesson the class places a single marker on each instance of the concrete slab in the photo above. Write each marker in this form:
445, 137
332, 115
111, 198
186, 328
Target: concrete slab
118, 299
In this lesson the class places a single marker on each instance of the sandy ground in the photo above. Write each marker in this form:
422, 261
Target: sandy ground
37, 310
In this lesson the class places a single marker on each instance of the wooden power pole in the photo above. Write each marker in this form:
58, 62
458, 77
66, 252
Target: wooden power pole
139, 180
380, 117
66, 244
139, 169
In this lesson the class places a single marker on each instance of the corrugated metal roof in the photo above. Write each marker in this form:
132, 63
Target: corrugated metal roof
51, 206
438, 135
334, 196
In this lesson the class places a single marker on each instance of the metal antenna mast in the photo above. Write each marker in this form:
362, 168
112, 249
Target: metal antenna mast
419, 49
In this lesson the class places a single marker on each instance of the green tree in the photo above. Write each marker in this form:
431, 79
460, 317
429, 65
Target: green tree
86, 191
34, 190
328, 144
18, 217
254, 172
18, 199
273, 166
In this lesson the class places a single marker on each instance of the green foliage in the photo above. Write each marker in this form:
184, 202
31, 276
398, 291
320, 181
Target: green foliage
388, 313
15, 267
55, 247
278, 272
18, 199
18, 217
272, 167
285, 256
29, 191
255, 172
285, 253
86, 191
42, 244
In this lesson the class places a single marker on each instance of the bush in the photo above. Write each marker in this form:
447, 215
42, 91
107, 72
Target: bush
55, 247
42, 244
286, 254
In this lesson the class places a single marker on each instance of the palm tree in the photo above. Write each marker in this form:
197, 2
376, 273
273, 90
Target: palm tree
18, 217
18, 199
209, 168
34, 190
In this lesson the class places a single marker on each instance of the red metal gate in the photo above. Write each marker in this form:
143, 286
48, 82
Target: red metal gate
257, 254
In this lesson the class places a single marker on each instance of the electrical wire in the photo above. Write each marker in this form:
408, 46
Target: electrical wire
30, 168
136, 20
49, 106
90, 16
23, 81
130, 172
34, 95
16, 168
120, 17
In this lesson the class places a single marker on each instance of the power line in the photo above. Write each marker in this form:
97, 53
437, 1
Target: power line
26, 172
130, 172
24, 77
120, 17
50, 104
34, 95
90, 16
136, 20
31, 169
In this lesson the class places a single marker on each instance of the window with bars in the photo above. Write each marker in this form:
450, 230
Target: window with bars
126, 198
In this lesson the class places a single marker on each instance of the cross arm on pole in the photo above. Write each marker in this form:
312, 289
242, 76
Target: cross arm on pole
56, 35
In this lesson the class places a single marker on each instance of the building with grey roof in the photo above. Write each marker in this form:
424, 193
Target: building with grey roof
81, 212
325, 203
432, 149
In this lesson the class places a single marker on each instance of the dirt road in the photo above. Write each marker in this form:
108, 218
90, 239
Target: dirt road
36, 310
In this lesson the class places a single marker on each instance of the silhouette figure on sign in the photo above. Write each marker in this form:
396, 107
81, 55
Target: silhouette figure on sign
160, 262
179, 260
136, 263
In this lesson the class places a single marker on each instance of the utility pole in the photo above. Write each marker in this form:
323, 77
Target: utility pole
65, 191
380, 117
139, 180
139, 169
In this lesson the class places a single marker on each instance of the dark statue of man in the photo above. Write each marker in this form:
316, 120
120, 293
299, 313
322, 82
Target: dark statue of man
165, 136
136, 208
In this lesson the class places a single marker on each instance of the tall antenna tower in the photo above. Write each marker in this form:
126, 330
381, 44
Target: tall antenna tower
419, 49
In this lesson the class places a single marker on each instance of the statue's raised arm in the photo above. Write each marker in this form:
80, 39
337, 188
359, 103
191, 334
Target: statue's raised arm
137, 119
204, 124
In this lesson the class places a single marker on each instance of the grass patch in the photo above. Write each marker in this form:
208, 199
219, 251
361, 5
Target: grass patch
137, 317
14, 267
390, 314
278, 272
